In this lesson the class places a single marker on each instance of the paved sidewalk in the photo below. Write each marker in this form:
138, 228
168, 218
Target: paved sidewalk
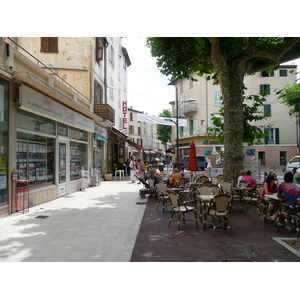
99, 224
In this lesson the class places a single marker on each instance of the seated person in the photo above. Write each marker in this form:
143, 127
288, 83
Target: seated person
251, 181
242, 174
290, 191
185, 174
270, 187
175, 176
152, 174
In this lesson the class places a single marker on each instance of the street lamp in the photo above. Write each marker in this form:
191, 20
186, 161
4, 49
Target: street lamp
177, 121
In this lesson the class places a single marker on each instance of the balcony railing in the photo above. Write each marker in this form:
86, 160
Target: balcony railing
105, 111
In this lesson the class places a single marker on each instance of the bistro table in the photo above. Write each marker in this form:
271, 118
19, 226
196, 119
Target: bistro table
202, 203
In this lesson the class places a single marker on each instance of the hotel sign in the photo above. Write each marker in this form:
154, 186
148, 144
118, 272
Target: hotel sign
124, 117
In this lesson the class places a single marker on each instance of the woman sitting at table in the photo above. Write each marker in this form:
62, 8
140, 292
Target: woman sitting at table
270, 187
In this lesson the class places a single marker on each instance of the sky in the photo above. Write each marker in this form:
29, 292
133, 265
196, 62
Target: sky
148, 89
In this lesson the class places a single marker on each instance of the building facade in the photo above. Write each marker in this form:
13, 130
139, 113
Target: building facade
276, 149
58, 116
144, 134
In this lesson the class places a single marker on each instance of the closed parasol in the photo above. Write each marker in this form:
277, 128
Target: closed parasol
193, 162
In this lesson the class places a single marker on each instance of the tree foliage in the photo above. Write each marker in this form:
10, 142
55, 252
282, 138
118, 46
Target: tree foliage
164, 131
253, 134
228, 60
290, 95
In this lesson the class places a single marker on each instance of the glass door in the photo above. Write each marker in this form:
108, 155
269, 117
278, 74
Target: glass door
62, 169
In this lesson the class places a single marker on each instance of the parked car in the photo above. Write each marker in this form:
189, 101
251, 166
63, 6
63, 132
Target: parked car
201, 162
293, 163
155, 161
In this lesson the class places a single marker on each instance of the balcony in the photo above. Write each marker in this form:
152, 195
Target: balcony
186, 109
105, 111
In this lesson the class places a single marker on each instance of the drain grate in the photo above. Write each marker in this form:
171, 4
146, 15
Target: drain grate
238, 250
41, 217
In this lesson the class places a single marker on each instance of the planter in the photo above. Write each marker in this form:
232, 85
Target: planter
108, 176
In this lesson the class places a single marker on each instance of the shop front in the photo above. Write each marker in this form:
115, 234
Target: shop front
3, 146
52, 146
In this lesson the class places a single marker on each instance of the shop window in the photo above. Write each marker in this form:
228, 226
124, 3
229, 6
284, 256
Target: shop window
35, 159
262, 157
78, 159
77, 134
282, 157
26, 120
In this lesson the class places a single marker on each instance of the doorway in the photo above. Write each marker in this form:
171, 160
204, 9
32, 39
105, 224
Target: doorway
63, 171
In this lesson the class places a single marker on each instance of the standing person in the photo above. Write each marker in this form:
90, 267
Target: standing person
251, 181
133, 167
140, 168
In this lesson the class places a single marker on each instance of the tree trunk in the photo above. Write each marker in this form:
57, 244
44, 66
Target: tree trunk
231, 81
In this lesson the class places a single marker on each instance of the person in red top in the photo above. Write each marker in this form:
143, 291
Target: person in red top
270, 187
251, 181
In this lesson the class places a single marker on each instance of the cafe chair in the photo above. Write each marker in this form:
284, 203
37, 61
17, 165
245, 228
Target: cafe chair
207, 183
152, 189
262, 204
162, 196
219, 211
203, 178
181, 182
180, 208
203, 190
215, 189
226, 188
291, 212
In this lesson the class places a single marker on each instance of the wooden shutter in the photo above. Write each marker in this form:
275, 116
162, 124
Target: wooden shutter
49, 44
44, 44
277, 136
53, 44
99, 53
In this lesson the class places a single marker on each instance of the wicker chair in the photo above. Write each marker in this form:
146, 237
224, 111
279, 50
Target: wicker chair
180, 208
262, 204
291, 212
219, 210
162, 195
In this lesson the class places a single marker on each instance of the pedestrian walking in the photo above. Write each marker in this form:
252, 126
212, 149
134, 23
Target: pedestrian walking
133, 167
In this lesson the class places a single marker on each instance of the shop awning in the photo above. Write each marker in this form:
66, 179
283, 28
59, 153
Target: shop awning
138, 147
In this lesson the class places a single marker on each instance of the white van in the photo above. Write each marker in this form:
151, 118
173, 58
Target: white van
293, 163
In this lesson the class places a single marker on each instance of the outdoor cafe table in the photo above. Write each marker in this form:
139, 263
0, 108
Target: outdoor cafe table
202, 202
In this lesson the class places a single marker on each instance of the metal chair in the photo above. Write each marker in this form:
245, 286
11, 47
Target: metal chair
180, 208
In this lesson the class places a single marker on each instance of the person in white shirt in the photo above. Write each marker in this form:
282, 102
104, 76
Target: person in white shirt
185, 173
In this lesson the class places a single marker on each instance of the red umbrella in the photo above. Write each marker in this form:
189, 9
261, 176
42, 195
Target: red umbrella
193, 162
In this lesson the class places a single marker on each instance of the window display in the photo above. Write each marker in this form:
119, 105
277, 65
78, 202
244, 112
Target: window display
78, 159
35, 156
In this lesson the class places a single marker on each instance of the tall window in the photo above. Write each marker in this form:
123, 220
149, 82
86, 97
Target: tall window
272, 136
49, 44
265, 89
112, 55
262, 157
181, 86
191, 82
217, 98
282, 158
267, 110
99, 48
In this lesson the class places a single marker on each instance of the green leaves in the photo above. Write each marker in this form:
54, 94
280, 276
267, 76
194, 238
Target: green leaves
290, 96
